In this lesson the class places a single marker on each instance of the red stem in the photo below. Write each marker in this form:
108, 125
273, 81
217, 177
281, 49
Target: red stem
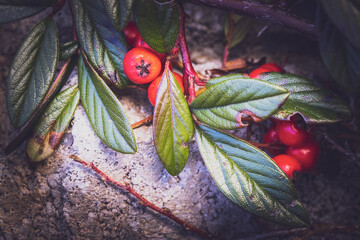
58, 6
190, 76
143, 201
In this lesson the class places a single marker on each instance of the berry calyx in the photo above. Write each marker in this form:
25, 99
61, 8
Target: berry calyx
306, 154
287, 164
154, 86
290, 134
141, 65
131, 33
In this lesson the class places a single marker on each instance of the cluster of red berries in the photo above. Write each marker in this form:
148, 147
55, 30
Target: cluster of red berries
142, 64
301, 149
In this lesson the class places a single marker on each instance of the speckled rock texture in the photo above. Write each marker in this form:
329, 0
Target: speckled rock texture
61, 199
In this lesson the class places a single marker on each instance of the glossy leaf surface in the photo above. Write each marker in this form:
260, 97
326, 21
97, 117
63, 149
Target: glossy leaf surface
314, 104
67, 50
345, 15
52, 125
119, 12
103, 45
158, 23
12, 10
61, 78
250, 178
223, 104
32, 72
340, 57
104, 111
172, 125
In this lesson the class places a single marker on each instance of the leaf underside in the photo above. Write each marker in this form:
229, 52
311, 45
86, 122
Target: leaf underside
32, 72
250, 178
104, 111
172, 124
103, 45
224, 103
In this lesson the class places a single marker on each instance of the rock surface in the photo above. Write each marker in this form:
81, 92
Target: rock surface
61, 199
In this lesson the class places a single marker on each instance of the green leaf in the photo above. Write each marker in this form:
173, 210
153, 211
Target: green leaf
51, 127
12, 10
314, 104
119, 12
340, 57
250, 178
158, 23
172, 124
346, 16
103, 45
241, 27
67, 50
32, 71
105, 113
53, 90
223, 104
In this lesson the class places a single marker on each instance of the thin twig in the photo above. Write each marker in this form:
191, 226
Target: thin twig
58, 6
142, 122
269, 13
143, 201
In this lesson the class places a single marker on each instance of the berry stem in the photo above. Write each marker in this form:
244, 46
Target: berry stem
143, 201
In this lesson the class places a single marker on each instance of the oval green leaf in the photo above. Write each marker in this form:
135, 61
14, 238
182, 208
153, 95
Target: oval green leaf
241, 27
61, 78
346, 16
67, 50
32, 71
340, 57
52, 125
12, 10
314, 104
172, 125
222, 105
103, 45
119, 12
250, 178
158, 23
104, 111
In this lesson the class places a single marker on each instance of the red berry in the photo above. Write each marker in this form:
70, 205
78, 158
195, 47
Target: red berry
267, 67
141, 65
131, 32
154, 86
272, 66
307, 154
139, 42
271, 137
288, 164
290, 134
